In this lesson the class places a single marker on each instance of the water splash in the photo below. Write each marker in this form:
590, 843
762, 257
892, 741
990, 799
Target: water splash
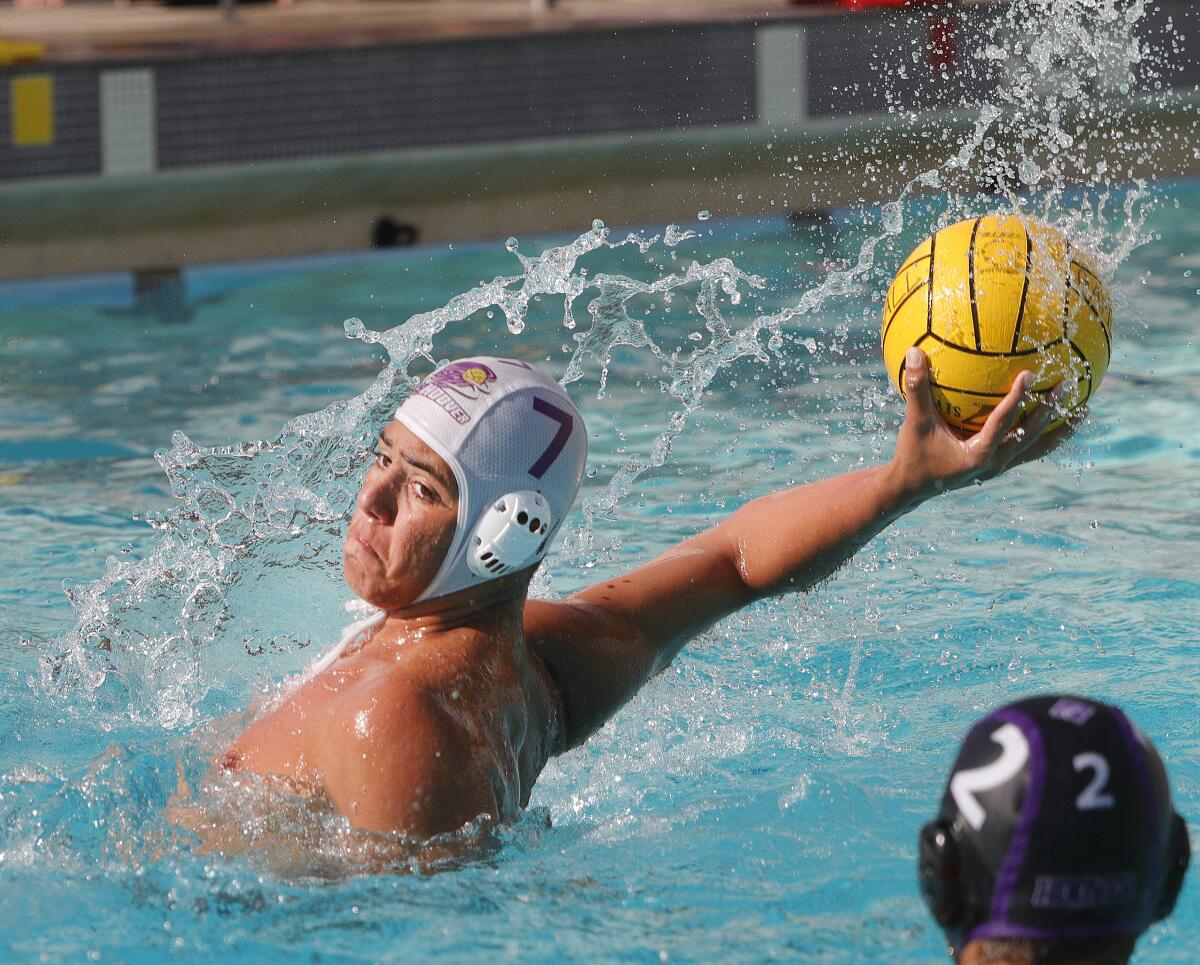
158, 641
155, 637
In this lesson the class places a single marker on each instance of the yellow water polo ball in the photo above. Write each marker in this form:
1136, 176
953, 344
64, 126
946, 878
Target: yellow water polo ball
988, 297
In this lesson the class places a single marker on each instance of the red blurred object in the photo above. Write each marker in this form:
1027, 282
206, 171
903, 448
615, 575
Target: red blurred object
943, 43
865, 4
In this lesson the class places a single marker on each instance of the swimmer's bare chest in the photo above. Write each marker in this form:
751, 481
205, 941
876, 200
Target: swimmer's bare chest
504, 725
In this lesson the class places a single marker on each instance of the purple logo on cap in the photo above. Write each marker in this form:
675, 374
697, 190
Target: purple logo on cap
1079, 892
467, 380
1072, 711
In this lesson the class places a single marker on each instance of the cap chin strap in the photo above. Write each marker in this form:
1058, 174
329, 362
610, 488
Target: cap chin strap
511, 534
436, 585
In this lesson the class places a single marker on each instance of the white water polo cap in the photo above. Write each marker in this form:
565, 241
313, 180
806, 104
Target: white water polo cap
517, 447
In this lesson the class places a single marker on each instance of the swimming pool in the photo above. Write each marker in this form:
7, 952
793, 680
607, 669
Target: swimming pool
760, 800
183, 467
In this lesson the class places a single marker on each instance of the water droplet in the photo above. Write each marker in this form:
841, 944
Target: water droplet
892, 218
511, 244
597, 225
1029, 172
704, 215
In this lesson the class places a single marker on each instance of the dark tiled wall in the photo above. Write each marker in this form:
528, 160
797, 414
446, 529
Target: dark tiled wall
868, 64
235, 110
1172, 34
331, 102
76, 147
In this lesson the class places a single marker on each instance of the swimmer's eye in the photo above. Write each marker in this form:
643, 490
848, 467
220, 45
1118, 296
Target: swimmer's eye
382, 460
424, 492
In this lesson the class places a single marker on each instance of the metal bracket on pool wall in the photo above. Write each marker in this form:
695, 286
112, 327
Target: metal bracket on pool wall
159, 292
387, 232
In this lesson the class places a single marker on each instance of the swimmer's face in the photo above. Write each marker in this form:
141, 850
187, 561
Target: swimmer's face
403, 522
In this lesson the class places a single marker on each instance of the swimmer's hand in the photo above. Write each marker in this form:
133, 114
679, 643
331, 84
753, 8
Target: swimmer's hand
932, 456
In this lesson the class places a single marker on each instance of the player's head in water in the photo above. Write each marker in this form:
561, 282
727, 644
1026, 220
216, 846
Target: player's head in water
1056, 841
471, 482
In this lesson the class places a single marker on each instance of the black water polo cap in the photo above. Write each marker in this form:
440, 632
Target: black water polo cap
1056, 823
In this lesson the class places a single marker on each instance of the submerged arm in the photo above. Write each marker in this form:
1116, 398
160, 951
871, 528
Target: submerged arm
602, 644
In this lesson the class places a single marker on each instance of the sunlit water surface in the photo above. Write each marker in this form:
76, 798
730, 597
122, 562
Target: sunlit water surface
761, 798
184, 470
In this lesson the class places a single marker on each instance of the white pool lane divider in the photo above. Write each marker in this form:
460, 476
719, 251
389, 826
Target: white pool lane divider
128, 126
781, 69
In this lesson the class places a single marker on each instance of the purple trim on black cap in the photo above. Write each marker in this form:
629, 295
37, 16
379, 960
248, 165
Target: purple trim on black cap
996, 929
1018, 844
1138, 753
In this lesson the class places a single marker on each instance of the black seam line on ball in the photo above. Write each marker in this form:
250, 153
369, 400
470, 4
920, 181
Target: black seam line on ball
913, 264
891, 318
1025, 286
1071, 286
978, 419
902, 271
1004, 355
971, 284
1087, 366
1066, 315
929, 303
998, 396
1099, 317
1095, 311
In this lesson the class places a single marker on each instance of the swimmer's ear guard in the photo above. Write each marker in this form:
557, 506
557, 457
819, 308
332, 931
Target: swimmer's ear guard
1078, 841
938, 874
510, 535
1180, 856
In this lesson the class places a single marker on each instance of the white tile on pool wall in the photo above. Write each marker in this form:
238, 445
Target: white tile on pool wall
781, 75
127, 122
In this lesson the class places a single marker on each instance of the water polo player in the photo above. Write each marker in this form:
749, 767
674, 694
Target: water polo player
1056, 841
448, 702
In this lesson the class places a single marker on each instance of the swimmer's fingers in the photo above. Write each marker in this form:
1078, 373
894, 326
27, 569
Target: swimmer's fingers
997, 430
919, 409
1046, 442
1030, 440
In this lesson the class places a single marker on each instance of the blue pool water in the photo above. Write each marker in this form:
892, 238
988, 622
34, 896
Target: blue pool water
175, 474
760, 799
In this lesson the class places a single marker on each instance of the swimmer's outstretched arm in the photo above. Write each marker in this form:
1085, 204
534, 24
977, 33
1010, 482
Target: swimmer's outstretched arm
603, 643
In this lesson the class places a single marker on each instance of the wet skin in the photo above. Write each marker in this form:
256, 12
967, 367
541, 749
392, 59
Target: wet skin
450, 709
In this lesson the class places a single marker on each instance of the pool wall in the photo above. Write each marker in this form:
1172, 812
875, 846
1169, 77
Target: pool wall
126, 164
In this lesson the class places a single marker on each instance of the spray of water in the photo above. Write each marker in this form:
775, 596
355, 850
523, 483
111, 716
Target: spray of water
159, 640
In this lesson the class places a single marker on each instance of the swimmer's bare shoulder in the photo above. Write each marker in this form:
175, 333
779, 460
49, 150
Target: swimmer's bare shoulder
377, 739
399, 759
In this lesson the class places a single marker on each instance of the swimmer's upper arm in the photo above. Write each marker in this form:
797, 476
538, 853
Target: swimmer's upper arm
603, 643
403, 765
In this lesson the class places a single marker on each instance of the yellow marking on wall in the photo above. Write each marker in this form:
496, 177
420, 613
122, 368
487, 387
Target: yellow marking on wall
32, 99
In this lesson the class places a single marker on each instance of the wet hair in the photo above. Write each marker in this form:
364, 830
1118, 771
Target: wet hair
1027, 951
